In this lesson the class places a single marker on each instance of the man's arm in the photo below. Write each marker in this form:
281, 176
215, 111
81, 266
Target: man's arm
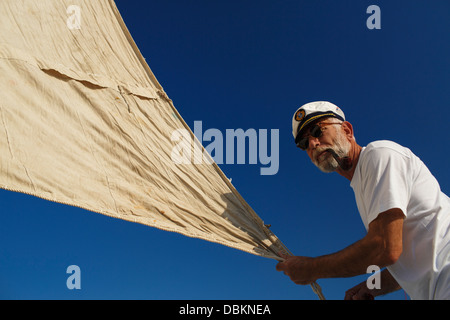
381, 246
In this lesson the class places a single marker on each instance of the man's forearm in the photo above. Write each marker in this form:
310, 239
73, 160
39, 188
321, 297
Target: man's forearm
351, 261
381, 246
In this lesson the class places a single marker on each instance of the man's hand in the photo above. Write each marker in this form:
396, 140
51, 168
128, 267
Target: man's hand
299, 269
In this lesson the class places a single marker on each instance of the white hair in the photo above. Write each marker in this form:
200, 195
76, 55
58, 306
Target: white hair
333, 120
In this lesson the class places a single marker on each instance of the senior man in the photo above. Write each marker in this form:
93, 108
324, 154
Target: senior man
406, 215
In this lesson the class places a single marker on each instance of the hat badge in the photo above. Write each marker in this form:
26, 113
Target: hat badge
299, 115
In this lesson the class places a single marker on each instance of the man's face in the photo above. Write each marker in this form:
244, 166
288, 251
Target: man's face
333, 137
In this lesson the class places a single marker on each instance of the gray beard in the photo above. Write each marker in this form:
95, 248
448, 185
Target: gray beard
329, 164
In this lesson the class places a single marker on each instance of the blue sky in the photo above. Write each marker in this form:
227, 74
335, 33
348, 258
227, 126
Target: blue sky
250, 64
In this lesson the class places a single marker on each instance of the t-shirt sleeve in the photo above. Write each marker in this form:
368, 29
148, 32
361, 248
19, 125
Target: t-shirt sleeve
386, 181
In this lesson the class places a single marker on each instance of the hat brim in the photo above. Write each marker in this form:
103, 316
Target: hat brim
309, 119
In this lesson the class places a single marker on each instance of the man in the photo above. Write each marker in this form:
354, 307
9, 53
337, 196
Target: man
406, 215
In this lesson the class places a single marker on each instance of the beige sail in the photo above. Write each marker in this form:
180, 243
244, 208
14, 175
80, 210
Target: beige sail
84, 122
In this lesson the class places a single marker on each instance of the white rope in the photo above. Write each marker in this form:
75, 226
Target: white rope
317, 290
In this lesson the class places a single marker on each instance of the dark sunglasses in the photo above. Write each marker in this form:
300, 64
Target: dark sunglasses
315, 131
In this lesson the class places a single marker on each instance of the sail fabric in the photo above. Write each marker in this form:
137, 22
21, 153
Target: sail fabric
84, 122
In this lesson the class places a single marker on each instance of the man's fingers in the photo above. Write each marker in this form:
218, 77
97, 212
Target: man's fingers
280, 266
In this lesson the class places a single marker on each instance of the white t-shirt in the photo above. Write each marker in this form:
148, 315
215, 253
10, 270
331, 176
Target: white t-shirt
390, 176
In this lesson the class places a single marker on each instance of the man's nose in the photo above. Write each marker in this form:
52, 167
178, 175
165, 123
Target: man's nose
313, 142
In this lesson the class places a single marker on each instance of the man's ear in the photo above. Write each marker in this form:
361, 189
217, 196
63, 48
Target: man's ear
348, 129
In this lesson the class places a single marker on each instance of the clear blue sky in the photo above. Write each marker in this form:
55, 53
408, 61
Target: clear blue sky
250, 64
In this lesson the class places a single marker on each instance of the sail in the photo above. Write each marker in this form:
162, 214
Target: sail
84, 122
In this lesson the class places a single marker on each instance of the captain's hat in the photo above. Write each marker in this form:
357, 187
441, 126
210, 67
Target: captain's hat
311, 112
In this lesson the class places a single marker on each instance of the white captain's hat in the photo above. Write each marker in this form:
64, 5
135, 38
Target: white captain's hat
311, 112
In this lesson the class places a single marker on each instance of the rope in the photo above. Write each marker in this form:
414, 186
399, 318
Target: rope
317, 290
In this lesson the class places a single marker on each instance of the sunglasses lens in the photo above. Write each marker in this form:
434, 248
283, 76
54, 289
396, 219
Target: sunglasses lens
315, 132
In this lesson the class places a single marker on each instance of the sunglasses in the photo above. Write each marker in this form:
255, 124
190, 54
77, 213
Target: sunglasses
315, 131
